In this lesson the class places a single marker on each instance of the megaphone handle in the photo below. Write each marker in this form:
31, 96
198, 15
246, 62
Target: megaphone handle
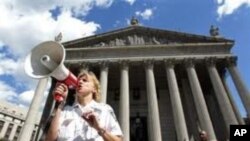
59, 103
58, 97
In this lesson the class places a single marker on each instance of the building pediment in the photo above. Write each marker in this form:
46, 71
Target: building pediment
139, 35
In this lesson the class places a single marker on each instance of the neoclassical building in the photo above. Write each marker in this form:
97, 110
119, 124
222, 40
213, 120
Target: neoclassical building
163, 85
12, 118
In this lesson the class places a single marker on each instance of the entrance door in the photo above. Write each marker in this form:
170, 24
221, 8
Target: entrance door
138, 128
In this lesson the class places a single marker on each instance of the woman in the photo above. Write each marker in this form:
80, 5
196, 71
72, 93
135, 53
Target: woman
203, 135
86, 119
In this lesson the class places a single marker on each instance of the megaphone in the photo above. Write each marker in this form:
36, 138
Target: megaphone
45, 60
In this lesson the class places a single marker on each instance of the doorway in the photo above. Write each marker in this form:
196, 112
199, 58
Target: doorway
138, 128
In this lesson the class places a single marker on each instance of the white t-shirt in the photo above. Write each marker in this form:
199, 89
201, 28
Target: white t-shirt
72, 127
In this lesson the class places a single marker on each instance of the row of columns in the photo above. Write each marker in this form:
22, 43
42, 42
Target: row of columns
13, 129
4, 129
124, 112
12, 132
199, 100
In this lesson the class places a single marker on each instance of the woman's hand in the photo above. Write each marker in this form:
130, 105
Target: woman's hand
92, 119
60, 92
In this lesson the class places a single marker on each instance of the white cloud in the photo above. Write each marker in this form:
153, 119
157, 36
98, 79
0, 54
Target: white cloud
26, 23
131, 2
7, 65
128, 21
26, 97
104, 3
15, 68
146, 14
31, 22
227, 7
6, 91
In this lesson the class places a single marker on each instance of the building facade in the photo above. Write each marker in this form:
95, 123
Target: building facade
163, 85
12, 119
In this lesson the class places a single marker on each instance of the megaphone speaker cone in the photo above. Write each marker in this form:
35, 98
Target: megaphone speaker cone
35, 68
45, 60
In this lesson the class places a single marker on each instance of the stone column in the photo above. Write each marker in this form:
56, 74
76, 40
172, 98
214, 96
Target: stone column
241, 88
124, 113
31, 117
220, 93
153, 111
199, 100
104, 81
179, 118
4, 129
13, 132
236, 110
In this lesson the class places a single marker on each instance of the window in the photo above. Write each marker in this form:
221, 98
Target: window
7, 135
136, 93
116, 94
33, 135
1, 125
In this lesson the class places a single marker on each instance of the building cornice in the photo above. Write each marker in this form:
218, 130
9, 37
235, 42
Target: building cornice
224, 44
141, 30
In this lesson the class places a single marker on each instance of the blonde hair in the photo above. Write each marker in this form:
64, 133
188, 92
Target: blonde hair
97, 94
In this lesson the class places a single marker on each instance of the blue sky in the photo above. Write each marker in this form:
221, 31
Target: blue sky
25, 23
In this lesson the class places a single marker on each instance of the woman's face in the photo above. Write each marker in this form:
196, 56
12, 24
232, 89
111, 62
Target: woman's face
85, 85
203, 136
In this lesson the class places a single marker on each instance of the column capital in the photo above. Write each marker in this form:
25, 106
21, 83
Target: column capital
210, 61
189, 62
124, 64
231, 61
149, 63
84, 65
169, 62
104, 64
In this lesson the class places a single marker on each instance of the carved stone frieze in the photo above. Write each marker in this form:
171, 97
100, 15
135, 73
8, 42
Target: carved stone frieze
101, 44
135, 39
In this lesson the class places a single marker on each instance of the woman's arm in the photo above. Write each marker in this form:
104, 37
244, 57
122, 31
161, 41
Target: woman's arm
61, 91
107, 136
54, 126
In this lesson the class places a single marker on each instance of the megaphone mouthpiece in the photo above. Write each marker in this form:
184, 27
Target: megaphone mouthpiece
45, 58
48, 62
